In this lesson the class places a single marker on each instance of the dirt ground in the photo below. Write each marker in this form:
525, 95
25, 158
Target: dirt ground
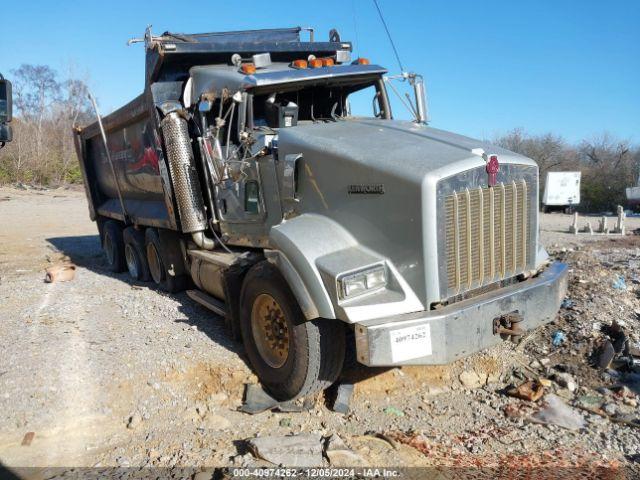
106, 372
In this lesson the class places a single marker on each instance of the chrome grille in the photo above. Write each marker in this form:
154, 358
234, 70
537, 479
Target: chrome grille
486, 234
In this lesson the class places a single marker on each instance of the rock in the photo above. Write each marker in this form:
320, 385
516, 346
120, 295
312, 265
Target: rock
610, 408
303, 450
470, 379
340, 455
134, 420
565, 380
213, 421
285, 422
203, 476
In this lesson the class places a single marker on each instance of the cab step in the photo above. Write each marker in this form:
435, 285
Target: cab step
207, 301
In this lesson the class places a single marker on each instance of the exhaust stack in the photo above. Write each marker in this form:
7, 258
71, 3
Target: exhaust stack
185, 179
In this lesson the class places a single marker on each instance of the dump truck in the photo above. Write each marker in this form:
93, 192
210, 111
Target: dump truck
242, 176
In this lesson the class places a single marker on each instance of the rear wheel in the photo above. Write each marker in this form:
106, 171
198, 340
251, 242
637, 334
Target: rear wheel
292, 357
135, 254
161, 269
113, 245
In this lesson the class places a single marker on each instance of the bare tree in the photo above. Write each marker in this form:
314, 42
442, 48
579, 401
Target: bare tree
46, 109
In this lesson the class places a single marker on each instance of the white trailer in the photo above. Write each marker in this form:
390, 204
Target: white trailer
562, 190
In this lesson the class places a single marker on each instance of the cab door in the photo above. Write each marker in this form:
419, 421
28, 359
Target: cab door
249, 206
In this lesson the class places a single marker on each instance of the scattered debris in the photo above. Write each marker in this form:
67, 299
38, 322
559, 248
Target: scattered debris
556, 412
134, 420
60, 273
545, 382
588, 402
530, 390
340, 455
619, 283
285, 422
567, 303
605, 355
515, 410
394, 411
343, 398
618, 337
256, 400
558, 338
28, 438
303, 450
566, 380
417, 441
470, 379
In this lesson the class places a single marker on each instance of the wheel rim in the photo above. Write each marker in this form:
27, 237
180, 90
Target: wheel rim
132, 261
109, 249
155, 264
270, 330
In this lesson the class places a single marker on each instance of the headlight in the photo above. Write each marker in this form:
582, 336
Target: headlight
365, 281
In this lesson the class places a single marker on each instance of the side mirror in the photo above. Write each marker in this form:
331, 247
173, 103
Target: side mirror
420, 98
6, 108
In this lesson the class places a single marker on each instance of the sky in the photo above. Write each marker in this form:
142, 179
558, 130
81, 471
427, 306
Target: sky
571, 67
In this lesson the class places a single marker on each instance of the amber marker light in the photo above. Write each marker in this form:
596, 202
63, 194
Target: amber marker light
299, 64
248, 68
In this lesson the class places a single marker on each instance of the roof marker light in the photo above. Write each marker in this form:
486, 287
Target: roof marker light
315, 63
327, 62
299, 64
248, 68
362, 61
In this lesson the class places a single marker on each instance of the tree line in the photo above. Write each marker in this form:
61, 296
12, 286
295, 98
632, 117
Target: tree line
608, 164
48, 106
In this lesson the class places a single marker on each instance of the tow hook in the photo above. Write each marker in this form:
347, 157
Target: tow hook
508, 326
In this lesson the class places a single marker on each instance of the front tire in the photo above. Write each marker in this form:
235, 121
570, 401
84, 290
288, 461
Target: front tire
292, 357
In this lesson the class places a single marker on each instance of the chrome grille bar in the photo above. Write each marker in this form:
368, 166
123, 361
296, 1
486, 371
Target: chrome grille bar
524, 222
486, 234
514, 228
503, 232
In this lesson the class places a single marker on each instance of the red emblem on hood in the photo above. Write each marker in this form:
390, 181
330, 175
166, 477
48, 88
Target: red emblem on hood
493, 166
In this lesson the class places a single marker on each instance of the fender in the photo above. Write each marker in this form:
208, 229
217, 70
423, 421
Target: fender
298, 243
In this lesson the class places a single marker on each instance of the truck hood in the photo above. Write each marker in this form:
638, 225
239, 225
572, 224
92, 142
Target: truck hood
378, 179
399, 148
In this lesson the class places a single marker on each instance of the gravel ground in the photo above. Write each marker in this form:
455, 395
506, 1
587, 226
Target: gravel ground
107, 372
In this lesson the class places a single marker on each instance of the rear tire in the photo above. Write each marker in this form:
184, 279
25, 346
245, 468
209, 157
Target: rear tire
272, 323
135, 254
160, 263
113, 246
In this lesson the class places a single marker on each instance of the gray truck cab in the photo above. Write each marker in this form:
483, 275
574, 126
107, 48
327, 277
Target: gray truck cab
242, 170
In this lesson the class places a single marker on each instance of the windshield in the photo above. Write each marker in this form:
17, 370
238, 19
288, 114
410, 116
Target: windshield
307, 101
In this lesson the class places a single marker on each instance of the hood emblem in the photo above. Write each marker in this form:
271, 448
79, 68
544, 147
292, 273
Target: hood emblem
366, 189
493, 167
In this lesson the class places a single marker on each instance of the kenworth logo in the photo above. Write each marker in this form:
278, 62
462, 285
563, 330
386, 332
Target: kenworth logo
375, 189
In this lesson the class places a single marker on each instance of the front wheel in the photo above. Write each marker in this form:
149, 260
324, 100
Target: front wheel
292, 357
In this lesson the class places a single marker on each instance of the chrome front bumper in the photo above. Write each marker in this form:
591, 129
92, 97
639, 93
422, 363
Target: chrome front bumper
441, 336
